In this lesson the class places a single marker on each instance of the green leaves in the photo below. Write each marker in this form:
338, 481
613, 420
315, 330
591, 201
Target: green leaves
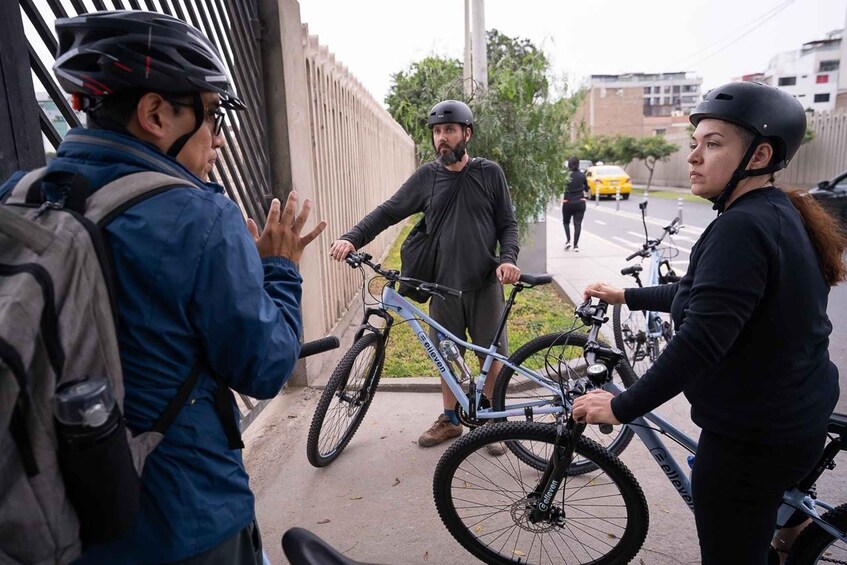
519, 123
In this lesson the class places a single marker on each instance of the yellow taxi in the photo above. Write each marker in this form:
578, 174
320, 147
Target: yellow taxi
605, 180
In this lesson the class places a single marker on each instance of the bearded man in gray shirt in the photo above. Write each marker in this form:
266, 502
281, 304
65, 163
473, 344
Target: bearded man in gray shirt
479, 218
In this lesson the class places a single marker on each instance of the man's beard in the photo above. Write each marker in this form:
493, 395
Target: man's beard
454, 155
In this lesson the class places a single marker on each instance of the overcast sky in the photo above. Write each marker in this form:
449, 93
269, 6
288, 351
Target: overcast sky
717, 39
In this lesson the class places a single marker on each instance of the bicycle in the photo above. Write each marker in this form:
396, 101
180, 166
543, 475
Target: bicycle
504, 512
353, 383
643, 335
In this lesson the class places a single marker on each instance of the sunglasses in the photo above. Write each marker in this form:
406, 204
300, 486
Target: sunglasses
214, 115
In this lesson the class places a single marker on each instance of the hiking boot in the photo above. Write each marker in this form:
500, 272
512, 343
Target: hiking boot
496, 449
440, 431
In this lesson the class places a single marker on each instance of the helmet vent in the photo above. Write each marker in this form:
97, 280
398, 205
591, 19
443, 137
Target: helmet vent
723, 96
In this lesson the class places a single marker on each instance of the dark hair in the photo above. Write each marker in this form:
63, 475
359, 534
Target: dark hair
828, 239
573, 163
115, 112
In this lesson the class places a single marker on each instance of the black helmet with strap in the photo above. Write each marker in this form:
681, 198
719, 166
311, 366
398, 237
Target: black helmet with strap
772, 115
450, 112
104, 53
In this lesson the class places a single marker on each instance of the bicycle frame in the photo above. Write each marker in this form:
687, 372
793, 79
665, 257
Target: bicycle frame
793, 499
394, 302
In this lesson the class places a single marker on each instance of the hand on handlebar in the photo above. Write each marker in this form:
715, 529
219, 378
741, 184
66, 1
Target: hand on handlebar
605, 292
594, 407
340, 249
508, 273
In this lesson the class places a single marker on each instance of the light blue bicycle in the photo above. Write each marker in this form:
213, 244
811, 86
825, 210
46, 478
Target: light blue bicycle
529, 386
641, 334
503, 511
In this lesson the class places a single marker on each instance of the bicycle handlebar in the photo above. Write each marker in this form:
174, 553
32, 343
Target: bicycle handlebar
355, 260
318, 346
651, 244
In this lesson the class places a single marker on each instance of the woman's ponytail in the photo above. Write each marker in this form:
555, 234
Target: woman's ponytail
827, 236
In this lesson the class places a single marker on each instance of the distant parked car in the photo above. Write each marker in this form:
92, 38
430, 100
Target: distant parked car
832, 195
584, 164
606, 179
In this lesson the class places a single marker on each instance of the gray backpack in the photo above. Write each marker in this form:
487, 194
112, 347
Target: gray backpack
58, 326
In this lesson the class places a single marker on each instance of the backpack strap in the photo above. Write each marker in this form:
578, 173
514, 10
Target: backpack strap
112, 199
22, 408
30, 182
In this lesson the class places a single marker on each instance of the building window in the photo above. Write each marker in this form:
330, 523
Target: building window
646, 101
787, 81
667, 89
659, 131
821, 79
822, 97
828, 66
646, 90
657, 89
676, 89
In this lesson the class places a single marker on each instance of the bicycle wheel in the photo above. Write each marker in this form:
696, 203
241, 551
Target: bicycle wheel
555, 356
814, 545
631, 336
485, 502
345, 400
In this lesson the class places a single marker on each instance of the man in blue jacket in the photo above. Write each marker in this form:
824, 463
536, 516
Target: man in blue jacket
195, 287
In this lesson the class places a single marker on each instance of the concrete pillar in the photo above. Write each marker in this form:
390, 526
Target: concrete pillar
467, 69
289, 141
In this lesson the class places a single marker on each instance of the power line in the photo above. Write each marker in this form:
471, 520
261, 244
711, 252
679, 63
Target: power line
756, 23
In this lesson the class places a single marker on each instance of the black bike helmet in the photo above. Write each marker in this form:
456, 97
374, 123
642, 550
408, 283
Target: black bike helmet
104, 53
772, 115
450, 112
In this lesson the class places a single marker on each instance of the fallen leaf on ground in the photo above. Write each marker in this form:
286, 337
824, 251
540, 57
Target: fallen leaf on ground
355, 498
396, 481
426, 556
324, 521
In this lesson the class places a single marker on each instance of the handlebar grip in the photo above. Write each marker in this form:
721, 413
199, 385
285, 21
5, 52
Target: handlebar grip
319, 346
633, 256
447, 290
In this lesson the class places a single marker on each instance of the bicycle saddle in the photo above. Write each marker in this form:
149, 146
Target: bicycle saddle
631, 270
302, 547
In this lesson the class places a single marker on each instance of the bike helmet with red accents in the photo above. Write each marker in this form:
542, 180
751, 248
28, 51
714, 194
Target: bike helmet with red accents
107, 52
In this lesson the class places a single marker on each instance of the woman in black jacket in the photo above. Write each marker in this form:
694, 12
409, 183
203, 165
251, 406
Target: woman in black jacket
573, 203
751, 348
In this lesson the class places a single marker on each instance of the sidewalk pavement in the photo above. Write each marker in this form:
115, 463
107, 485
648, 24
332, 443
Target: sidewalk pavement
375, 502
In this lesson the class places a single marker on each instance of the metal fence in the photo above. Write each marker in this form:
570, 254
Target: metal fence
233, 27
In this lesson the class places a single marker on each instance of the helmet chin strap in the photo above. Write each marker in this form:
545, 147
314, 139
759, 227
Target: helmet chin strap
199, 117
719, 202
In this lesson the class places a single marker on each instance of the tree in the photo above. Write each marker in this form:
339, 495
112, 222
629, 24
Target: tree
652, 149
518, 122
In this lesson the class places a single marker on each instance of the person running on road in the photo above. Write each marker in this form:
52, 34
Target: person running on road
751, 347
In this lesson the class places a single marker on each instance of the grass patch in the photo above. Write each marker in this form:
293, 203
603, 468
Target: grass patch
536, 312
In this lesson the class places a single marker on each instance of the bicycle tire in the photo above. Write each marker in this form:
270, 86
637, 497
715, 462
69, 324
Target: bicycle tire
483, 501
640, 351
345, 400
814, 545
533, 355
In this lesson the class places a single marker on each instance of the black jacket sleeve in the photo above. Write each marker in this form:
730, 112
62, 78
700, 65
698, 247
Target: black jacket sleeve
656, 298
729, 281
504, 219
411, 198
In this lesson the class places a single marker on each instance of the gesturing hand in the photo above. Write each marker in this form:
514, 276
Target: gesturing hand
281, 236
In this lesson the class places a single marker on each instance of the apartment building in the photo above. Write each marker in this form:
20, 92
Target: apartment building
638, 104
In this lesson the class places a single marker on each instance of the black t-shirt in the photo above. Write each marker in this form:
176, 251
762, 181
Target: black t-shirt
751, 347
481, 217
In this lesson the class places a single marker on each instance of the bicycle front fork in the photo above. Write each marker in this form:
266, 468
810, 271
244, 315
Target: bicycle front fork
554, 474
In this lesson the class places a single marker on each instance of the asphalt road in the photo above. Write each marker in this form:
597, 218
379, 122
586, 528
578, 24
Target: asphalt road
623, 227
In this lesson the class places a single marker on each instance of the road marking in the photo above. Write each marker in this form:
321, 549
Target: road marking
626, 242
650, 220
600, 222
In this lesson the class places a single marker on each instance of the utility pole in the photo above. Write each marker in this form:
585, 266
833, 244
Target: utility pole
475, 72
480, 54
467, 71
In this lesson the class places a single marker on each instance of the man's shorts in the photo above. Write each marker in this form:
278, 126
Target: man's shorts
477, 313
